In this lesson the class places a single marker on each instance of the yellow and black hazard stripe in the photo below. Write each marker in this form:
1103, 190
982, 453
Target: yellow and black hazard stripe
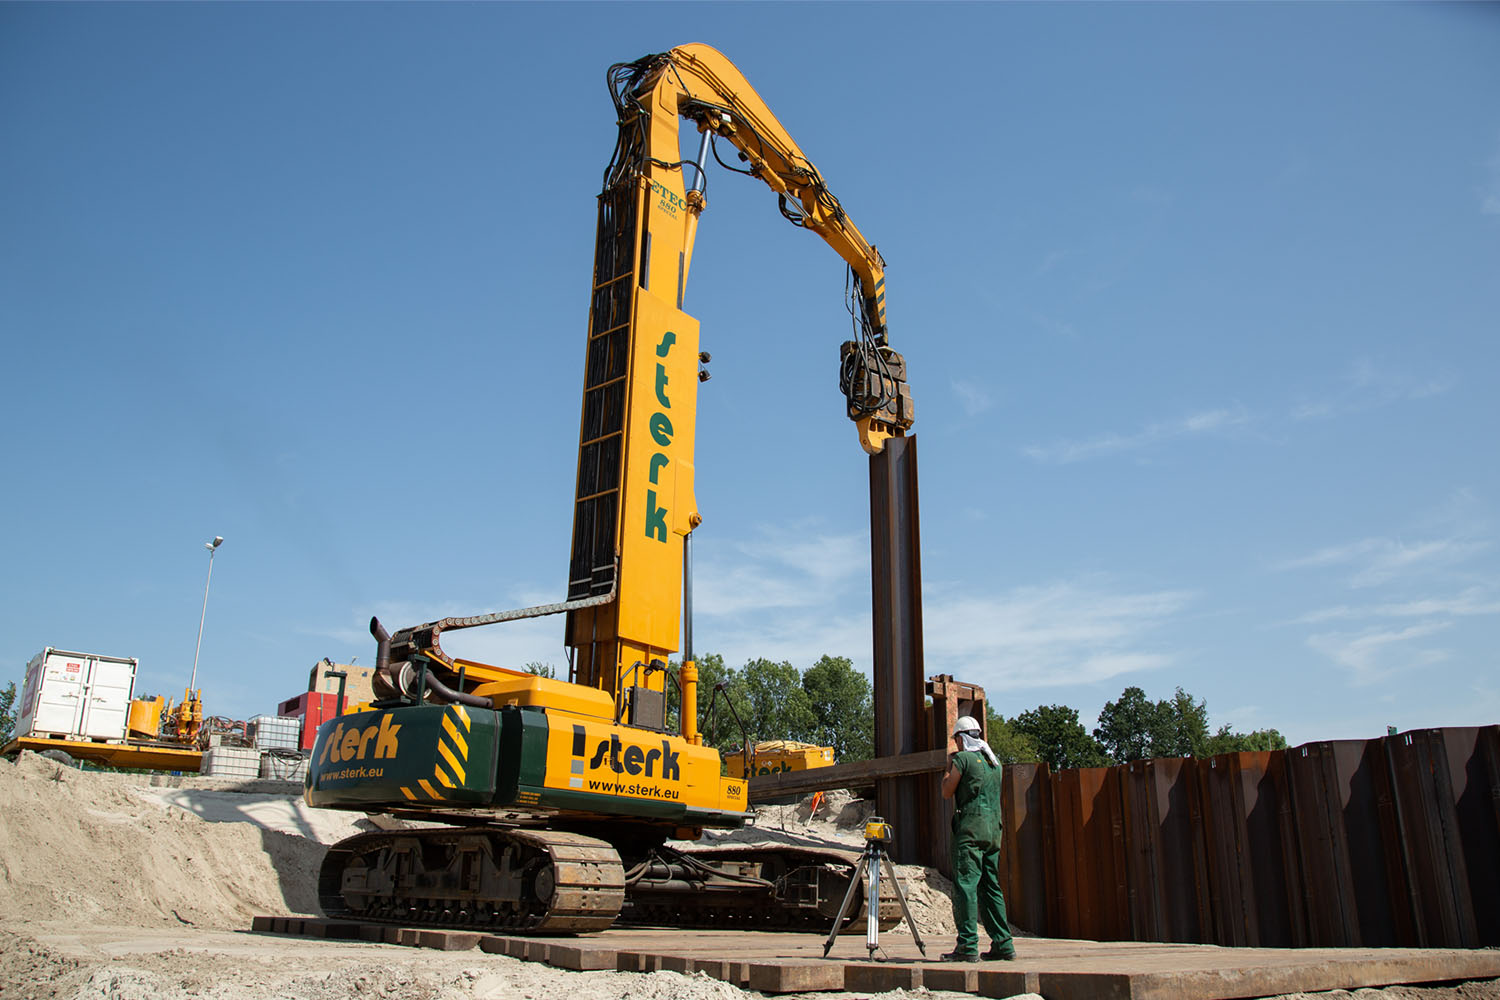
450, 768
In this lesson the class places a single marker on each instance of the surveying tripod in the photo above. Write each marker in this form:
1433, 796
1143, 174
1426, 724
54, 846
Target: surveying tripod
873, 860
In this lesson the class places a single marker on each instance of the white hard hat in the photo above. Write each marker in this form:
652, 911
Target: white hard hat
965, 724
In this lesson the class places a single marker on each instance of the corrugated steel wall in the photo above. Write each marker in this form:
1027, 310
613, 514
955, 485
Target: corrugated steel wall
1386, 842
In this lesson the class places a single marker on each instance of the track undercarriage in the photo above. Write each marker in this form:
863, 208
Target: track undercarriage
534, 881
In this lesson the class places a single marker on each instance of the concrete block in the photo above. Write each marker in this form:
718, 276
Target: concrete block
261, 925
342, 930
676, 963
879, 977
1007, 982
1088, 986
409, 937
448, 940
792, 976
638, 961
582, 958
371, 932
954, 978
714, 968
391, 935
494, 944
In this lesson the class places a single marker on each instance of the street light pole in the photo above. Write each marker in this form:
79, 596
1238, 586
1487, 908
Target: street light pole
212, 547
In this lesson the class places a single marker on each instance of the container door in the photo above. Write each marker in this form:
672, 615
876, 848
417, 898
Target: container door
59, 704
107, 701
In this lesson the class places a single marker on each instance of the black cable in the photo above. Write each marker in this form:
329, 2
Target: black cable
866, 356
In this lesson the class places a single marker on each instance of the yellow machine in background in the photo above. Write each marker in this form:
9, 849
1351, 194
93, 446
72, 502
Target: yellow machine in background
774, 756
563, 795
156, 718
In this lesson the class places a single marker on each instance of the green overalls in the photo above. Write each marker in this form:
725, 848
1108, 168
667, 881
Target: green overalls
976, 854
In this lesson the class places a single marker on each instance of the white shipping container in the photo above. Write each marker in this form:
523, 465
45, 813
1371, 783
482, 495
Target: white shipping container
76, 695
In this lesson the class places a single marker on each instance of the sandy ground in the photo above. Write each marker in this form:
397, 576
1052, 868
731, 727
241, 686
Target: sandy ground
117, 888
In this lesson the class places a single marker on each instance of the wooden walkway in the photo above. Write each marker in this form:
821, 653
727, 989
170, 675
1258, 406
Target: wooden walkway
1055, 969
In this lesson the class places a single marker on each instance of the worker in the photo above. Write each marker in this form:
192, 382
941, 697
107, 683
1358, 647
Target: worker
973, 782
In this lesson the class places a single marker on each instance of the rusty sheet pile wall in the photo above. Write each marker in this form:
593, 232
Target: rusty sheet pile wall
1391, 842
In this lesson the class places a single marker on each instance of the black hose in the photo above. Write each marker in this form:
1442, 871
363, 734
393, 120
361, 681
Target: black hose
447, 694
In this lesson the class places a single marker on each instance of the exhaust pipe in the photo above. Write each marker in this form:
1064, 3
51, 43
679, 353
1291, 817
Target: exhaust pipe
382, 644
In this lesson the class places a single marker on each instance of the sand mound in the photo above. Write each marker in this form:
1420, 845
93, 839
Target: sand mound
117, 849
79, 845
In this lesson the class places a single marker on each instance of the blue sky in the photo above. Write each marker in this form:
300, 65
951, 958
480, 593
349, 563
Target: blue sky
1199, 303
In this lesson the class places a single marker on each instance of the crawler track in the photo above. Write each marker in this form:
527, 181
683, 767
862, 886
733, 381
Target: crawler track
548, 882
536, 881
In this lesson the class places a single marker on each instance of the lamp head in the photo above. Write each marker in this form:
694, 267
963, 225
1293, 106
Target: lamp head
210, 546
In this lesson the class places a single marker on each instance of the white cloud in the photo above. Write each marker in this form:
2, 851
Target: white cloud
1489, 195
1112, 443
798, 594
1070, 632
1375, 654
1475, 601
1376, 561
1366, 387
1051, 260
971, 398
1055, 327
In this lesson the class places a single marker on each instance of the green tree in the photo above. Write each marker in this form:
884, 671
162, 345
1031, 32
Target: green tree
1136, 728
1130, 728
1225, 741
1060, 738
7, 713
540, 669
1010, 744
843, 708
1184, 728
779, 707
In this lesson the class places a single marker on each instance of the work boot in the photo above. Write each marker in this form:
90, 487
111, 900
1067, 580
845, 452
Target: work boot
1000, 954
961, 956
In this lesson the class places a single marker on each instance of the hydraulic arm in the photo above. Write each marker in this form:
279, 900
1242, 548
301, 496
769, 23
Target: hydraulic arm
635, 503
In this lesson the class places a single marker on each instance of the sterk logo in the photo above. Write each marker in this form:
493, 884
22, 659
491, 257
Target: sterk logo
661, 433
621, 759
353, 743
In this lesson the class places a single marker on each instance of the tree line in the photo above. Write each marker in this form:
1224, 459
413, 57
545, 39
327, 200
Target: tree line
1130, 728
832, 704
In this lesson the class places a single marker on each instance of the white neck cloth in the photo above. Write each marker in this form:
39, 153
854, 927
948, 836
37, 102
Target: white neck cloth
969, 741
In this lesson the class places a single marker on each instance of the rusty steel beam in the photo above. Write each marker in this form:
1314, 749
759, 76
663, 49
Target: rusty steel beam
896, 601
856, 774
